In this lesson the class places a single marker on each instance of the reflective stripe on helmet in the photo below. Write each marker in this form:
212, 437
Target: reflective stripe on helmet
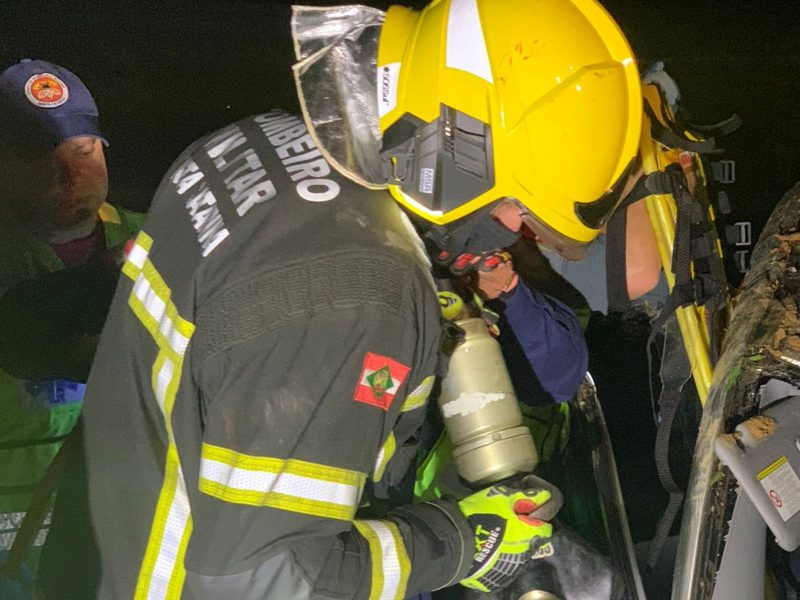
466, 46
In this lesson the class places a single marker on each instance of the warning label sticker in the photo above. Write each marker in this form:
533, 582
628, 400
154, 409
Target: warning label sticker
782, 486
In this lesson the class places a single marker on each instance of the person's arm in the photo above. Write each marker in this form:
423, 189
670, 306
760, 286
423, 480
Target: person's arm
551, 338
547, 332
295, 419
642, 261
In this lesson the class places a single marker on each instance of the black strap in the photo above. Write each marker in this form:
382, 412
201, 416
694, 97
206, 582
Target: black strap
669, 401
694, 244
682, 247
683, 293
640, 191
720, 129
660, 182
671, 139
670, 181
674, 134
712, 311
616, 267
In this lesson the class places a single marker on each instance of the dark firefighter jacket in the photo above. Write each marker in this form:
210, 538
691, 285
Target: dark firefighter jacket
270, 347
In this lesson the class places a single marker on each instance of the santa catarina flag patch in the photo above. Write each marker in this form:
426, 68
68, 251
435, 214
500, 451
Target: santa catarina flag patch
379, 381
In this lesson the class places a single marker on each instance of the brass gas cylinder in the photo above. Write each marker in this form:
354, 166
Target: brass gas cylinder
481, 412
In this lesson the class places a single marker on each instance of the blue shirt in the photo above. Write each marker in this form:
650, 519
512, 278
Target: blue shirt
543, 345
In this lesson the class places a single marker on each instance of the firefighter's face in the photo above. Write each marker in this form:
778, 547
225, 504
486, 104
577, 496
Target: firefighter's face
62, 189
509, 214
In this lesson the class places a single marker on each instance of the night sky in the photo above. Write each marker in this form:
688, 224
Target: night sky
165, 73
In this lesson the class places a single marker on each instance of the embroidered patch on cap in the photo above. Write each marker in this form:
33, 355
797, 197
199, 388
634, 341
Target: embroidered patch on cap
379, 381
46, 90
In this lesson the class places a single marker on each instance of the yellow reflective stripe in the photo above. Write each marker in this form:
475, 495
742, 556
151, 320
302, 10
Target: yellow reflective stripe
160, 315
278, 465
402, 560
179, 575
390, 564
419, 396
162, 573
161, 378
289, 503
137, 255
286, 484
144, 240
384, 456
376, 556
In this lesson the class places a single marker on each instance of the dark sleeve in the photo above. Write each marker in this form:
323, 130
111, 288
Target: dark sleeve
45, 322
539, 273
295, 420
549, 334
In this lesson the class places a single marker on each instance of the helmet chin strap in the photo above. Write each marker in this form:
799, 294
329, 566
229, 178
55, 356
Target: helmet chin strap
476, 233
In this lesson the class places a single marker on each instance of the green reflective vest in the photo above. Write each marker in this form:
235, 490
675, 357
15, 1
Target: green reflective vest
35, 416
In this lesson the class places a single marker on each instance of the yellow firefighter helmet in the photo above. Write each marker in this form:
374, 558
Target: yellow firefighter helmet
486, 99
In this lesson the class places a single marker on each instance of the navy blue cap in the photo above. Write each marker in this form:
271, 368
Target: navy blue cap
45, 104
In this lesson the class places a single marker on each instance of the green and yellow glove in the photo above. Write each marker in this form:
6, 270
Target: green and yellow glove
505, 533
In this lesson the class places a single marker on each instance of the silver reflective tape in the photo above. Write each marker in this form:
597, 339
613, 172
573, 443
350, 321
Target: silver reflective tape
137, 256
174, 530
466, 46
308, 488
390, 559
163, 379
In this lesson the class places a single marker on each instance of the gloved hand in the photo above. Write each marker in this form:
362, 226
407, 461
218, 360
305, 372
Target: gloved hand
496, 275
505, 533
493, 271
462, 264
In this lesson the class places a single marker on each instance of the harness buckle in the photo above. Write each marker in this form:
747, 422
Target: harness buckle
724, 171
740, 258
740, 233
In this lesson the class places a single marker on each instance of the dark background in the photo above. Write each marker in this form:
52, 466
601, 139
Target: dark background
165, 73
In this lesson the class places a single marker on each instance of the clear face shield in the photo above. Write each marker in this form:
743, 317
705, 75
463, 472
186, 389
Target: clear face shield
336, 77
